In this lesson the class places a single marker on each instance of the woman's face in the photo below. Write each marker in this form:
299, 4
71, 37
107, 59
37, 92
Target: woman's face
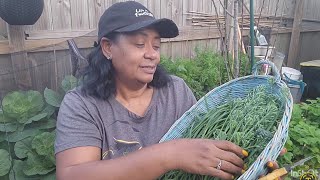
135, 56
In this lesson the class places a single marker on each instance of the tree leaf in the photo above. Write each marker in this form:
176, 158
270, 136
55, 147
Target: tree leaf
52, 97
5, 163
37, 164
69, 82
44, 145
21, 148
22, 105
8, 127
37, 117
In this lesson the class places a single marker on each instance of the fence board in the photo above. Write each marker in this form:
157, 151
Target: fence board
154, 7
7, 82
96, 9
61, 14
63, 65
3, 30
79, 14
43, 70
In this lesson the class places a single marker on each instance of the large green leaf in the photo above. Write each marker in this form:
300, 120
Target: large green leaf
51, 176
3, 137
37, 164
19, 135
37, 117
69, 82
49, 110
21, 148
16, 173
42, 125
5, 119
22, 105
8, 127
5, 162
44, 145
48, 124
53, 98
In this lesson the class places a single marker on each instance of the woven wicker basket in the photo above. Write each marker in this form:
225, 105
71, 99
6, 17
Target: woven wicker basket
239, 88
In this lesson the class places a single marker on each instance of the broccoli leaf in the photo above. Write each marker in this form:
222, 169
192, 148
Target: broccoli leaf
5, 163
21, 148
22, 105
52, 97
37, 165
69, 82
8, 127
44, 145
37, 117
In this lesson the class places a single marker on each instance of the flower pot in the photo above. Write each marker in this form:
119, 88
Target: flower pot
21, 12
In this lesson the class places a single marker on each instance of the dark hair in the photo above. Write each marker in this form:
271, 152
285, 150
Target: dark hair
98, 77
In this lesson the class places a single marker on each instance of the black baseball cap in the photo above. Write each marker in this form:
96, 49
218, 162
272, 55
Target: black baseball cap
131, 16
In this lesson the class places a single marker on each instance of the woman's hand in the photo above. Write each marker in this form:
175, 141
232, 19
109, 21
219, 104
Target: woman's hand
221, 159
273, 165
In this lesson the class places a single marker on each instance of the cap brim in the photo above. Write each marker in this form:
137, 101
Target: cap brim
165, 27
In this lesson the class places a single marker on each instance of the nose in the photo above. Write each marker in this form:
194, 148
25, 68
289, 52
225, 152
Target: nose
150, 52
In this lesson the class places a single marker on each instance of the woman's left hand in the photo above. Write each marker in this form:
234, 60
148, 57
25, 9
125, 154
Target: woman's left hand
273, 165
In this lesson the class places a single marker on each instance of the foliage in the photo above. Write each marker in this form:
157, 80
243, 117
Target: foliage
202, 73
304, 133
27, 132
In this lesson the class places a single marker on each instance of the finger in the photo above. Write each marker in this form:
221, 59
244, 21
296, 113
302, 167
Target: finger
283, 151
272, 165
219, 174
230, 157
229, 146
278, 178
230, 168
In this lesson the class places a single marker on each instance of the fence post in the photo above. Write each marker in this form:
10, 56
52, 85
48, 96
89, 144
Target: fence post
19, 57
295, 36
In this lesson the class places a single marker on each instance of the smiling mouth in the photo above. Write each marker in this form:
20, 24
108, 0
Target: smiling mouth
148, 69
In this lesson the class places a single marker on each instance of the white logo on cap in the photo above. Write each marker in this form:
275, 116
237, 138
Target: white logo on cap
143, 12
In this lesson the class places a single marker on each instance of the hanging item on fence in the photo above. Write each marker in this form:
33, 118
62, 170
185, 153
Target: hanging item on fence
21, 12
261, 39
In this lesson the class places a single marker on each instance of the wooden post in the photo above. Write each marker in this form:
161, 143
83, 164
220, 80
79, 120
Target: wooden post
295, 36
19, 57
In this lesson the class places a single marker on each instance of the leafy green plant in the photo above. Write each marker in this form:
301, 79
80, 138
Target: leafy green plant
27, 132
204, 72
304, 133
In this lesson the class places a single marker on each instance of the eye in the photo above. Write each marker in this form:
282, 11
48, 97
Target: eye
156, 48
140, 45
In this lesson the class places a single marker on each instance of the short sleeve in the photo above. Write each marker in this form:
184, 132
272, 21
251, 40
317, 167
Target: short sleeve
190, 99
75, 125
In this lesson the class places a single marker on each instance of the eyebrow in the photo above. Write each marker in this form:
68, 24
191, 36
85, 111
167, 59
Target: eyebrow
146, 35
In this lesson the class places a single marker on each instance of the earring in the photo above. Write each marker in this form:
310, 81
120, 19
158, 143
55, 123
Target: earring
108, 57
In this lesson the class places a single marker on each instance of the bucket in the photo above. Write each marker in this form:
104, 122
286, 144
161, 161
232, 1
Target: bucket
261, 51
278, 59
296, 92
291, 73
296, 87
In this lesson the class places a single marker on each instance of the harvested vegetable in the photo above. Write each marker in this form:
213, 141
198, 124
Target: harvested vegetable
249, 122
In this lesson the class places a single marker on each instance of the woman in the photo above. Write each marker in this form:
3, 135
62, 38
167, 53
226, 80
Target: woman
127, 103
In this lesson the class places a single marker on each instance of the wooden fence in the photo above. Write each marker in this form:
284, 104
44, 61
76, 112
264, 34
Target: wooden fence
41, 59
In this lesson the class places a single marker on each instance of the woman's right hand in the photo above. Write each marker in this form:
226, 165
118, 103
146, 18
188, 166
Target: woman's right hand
203, 156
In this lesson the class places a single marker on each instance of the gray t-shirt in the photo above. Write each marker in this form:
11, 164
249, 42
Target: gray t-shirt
107, 124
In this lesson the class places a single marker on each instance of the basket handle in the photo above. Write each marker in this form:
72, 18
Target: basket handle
274, 69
